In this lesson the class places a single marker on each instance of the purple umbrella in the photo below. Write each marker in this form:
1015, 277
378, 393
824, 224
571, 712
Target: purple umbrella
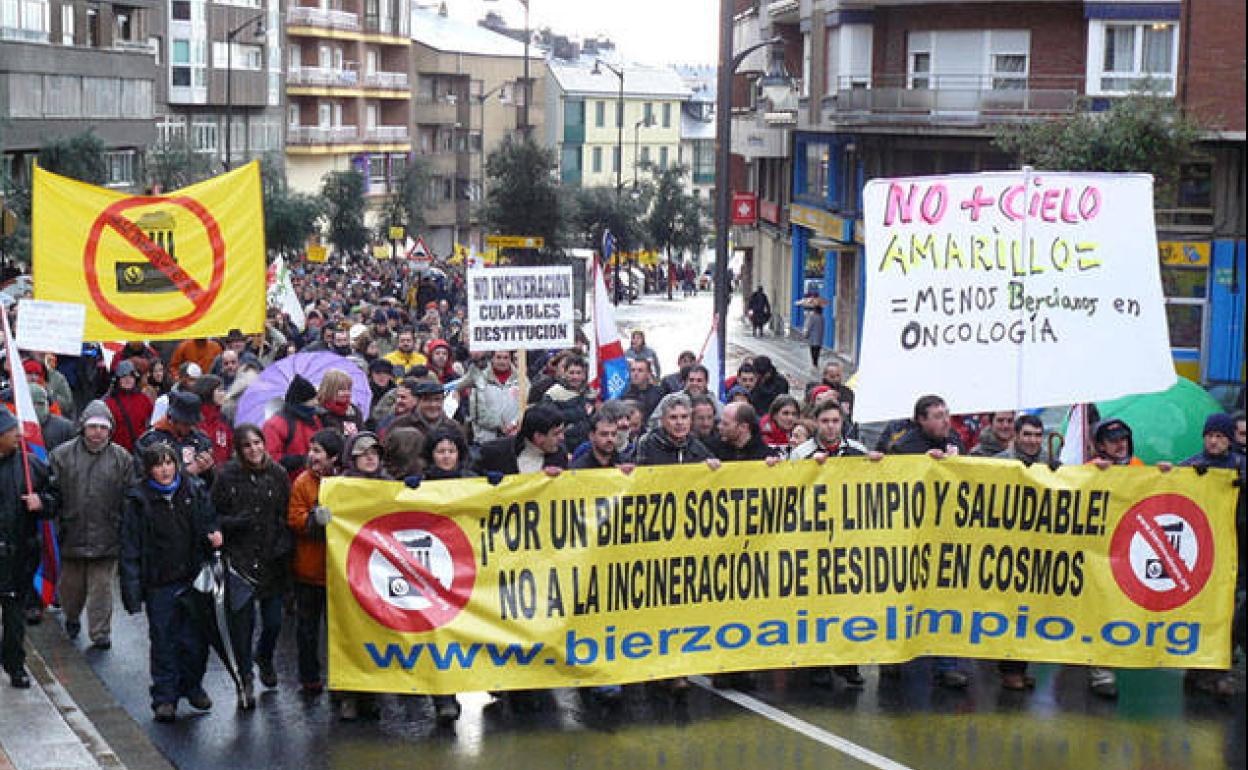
265, 395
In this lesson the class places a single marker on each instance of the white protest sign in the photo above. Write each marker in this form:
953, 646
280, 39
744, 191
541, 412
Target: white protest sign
520, 308
1012, 290
53, 327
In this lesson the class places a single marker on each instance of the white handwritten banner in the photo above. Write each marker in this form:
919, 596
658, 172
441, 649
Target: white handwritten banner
1010, 290
53, 327
520, 308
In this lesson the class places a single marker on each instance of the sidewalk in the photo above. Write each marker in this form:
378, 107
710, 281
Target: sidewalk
68, 719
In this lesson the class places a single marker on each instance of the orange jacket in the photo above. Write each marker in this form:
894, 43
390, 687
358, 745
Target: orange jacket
309, 564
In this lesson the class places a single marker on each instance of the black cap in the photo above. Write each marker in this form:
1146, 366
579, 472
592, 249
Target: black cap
184, 407
381, 365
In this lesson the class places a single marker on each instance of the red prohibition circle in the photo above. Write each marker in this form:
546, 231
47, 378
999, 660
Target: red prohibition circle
1141, 520
201, 305
449, 601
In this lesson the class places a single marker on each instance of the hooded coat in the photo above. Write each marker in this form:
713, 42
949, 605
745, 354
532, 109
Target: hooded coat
92, 487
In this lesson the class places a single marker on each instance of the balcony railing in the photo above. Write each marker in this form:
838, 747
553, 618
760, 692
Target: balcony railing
319, 135
392, 80
975, 99
321, 76
387, 134
301, 15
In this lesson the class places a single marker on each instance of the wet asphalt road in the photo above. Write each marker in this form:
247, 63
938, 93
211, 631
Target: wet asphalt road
1153, 725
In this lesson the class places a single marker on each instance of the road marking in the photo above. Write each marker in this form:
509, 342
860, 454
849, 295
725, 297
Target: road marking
785, 719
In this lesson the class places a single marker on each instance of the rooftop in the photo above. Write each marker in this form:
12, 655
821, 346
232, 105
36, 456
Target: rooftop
578, 77
431, 29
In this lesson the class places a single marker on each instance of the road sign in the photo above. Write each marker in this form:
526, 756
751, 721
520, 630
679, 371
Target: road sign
515, 241
420, 254
1161, 552
317, 253
744, 208
154, 269
411, 571
396, 233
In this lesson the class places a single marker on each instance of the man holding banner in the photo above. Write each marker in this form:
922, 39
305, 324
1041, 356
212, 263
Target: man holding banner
25, 496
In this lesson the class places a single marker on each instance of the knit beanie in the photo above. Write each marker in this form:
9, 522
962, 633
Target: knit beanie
300, 390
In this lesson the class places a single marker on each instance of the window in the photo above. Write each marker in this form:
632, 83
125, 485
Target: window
1132, 56
645, 154
600, 114
120, 168
62, 96
24, 20
920, 68
67, 25
662, 157
615, 160
1009, 71
101, 97
180, 10
648, 114
667, 115
597, 158
818, 159
204, 135
377, 172
180, 57
806, 55
239, 57
292, 116
25, 95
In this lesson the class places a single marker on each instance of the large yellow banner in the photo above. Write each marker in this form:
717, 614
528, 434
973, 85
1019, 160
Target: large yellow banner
187, 264
598, 577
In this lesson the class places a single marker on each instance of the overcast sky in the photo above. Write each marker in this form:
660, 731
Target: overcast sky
650, 31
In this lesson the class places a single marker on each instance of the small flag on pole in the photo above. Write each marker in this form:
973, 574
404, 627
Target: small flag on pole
612, 369
49, 569
1074, 445
710, 358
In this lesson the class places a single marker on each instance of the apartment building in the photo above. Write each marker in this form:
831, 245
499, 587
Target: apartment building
348, 93
697, 132
220, 83
585, 113
467, 82
897, 88
66, 67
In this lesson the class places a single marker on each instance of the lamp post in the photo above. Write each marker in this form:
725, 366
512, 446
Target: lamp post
528, 35
619, 161
258, 20
481, 100
723, 135
637, 146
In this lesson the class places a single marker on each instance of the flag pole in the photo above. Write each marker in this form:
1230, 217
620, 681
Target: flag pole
16, 371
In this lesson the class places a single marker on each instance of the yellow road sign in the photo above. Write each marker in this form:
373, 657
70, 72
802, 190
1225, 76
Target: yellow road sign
515, 241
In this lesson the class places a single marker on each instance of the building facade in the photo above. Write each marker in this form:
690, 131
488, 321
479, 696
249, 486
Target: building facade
585, 113
66, 67
468, 97
348, 94
220, 84
899, 88
697, 132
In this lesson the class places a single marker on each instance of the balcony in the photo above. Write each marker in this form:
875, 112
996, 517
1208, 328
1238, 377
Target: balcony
441, 110
306, 16
388, 134
322, 76
970, 100
387, 80
304, 135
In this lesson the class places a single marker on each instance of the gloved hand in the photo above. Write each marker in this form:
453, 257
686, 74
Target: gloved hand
1054, 464
494, 477
320, 514
1201, 469
413, 481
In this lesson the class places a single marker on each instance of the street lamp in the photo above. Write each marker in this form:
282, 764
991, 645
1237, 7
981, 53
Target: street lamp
723, 136
259, 32
481, 100
636, 145
619, 158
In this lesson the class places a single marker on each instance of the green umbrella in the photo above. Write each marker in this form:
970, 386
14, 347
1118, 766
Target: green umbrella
1167, 425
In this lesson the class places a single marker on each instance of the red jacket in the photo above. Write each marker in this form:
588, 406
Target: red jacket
289, 450
131, 410
218, 432
773, 435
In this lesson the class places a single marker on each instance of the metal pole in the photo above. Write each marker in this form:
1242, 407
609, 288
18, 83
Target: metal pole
524, 114
723, 135
619, 178
229, 95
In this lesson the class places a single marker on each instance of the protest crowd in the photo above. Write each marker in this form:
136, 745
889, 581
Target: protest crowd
154, 466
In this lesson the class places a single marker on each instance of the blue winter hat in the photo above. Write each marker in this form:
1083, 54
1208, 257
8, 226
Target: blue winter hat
1220, 422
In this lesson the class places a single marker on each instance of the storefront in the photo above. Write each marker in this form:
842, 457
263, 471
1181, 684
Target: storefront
826, 261
1203, 283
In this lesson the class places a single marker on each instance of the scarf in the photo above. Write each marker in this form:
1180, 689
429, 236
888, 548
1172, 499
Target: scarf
163, 489
338, 407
